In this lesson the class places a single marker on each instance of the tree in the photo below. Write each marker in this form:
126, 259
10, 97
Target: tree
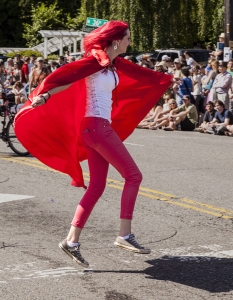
43, 17
10, 24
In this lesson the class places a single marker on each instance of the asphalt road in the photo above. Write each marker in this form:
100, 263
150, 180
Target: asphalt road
184, 213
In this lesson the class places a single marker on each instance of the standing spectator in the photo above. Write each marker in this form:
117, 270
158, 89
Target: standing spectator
189, 60
10, 66
185, 115
61, 61
196, 81
38, 74
17, 71
183, 61
230, 67
186, 86
25, 70
2, 73
54, 65
222, 84
218, 54
31, 63
19, 60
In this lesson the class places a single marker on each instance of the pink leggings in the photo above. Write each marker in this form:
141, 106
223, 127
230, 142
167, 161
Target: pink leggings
103, 147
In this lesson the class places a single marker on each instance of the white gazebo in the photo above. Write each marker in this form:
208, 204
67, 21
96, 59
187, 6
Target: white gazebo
62, 37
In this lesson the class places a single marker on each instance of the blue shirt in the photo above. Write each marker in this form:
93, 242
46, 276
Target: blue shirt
225, 114
182, 88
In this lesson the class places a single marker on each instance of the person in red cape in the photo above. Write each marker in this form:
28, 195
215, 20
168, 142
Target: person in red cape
85, 110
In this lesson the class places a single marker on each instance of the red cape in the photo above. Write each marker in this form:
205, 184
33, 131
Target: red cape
51, 132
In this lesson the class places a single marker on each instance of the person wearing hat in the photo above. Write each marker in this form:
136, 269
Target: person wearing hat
218, 54
222, 84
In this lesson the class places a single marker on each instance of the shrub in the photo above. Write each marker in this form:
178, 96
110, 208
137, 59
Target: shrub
25, 53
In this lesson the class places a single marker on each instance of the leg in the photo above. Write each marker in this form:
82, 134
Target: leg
95, 189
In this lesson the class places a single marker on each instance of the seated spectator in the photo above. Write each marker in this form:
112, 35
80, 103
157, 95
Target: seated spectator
163, 118
150, 118
185, 115
9, 82
20, 93
223, 118
222, 84
208, 117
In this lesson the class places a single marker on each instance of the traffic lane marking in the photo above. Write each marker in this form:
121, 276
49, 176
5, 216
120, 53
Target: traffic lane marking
153, 194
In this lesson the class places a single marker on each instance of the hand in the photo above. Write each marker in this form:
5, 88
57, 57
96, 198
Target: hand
37, 101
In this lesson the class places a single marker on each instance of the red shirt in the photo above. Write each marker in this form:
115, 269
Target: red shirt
25, 71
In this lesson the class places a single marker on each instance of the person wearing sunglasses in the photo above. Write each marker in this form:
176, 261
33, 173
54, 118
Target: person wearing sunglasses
185, 115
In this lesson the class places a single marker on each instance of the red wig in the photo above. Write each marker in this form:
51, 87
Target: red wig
99, 39
103, 36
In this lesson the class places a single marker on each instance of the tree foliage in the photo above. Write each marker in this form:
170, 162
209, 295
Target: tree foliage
43, 17
153, 24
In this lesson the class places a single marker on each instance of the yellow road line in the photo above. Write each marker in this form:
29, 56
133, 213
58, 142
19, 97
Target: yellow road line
177, 203
153, 194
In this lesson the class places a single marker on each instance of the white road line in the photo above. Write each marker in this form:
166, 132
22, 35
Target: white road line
134, 144
12, 197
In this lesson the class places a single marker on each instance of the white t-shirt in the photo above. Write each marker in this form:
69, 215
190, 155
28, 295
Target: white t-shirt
190, 61
197, 86
22, 92
99, 94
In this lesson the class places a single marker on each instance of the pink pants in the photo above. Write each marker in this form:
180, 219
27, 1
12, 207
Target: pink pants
103, 147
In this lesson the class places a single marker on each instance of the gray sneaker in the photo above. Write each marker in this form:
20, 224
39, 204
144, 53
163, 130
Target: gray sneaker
74, 253
131, 244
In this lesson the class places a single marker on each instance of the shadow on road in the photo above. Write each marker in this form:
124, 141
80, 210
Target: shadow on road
207, 273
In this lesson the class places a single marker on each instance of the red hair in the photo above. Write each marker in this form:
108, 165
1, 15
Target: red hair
103, 36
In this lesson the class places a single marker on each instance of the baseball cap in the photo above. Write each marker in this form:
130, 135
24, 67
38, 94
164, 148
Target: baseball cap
39, 59
164, 57
177, 60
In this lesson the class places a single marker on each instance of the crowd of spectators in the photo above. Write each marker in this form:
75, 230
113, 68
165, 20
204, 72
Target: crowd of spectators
20, 75
202, 98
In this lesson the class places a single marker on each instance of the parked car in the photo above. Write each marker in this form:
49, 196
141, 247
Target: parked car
201, 56
3, 57
153, 54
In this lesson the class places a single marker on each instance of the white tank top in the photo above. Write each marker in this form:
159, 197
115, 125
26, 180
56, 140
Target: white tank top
99, 94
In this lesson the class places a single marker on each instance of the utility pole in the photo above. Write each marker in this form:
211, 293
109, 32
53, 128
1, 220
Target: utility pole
228, 23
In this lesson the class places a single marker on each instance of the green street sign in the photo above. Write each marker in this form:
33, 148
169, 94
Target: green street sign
95, 22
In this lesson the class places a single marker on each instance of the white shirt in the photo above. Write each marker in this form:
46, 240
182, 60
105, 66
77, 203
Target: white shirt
197, 86
99, 94
190, 61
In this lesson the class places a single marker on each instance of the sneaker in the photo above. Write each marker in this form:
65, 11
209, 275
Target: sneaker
74, 253
131, 244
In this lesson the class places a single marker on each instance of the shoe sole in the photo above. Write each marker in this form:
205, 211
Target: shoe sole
140, 251
70, 255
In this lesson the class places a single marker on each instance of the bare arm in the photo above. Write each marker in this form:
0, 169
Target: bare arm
41, 99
